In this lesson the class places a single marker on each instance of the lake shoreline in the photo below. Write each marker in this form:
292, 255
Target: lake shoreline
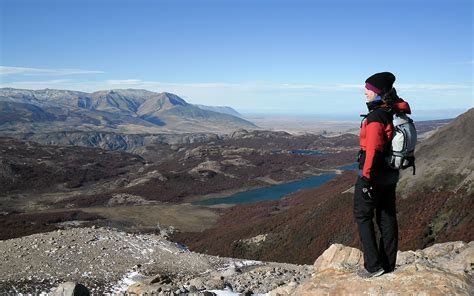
194, 200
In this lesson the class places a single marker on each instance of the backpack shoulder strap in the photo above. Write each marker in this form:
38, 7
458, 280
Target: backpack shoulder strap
364, 116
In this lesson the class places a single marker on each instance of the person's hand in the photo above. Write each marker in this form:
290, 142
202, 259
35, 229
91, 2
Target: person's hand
367, 189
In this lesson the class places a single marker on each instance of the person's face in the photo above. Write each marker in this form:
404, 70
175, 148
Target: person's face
371, 95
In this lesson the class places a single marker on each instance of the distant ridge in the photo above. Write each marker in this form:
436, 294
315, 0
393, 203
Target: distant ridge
116, 110
221, 109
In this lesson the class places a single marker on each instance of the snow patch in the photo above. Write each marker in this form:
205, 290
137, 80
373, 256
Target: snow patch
228, 292
241, 263
166, 249
127, 280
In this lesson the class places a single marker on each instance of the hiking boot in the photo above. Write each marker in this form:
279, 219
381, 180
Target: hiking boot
364, 273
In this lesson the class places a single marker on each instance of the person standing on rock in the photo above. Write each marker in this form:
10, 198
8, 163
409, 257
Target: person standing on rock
376, 183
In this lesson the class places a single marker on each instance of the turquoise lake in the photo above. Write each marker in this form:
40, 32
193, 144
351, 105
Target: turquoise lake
274, 192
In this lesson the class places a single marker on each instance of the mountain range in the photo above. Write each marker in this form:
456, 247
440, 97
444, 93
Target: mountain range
128, 111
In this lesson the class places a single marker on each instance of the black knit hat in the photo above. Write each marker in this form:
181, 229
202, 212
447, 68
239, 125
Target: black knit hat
380, 82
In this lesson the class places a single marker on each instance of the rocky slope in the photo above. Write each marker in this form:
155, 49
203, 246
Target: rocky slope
221, 109
445, 161
440, 195
108, 261
119, 111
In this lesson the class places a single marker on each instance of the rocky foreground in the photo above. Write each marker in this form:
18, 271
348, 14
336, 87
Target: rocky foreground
108, 261
442, 269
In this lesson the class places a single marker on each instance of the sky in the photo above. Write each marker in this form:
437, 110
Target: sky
262, 57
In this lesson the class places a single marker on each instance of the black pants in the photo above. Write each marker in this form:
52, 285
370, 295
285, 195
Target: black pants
383, 204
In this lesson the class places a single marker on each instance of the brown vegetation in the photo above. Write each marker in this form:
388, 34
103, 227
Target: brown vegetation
28, 166
20, 224
300, 227
432, 217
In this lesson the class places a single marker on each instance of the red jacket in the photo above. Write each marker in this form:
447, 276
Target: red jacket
375, 136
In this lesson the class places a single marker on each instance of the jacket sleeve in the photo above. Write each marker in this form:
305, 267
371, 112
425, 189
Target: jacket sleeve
374, 142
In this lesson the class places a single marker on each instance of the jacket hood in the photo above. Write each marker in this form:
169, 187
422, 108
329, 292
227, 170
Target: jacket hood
402, 106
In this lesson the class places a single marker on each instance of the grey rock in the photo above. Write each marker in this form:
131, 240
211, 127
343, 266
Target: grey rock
229, 272
71, 289
197, 283
159, 279
215, 283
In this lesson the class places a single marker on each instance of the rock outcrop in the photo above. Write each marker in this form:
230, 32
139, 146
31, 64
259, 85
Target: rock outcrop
442, 269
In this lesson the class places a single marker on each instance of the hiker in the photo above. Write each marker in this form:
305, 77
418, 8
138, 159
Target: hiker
376, 183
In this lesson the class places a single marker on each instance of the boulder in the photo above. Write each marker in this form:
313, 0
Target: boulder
198, 283
215, 284
142, 288
71, 289
339, 258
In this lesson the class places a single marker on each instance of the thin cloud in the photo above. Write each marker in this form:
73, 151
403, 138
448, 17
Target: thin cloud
463, 63
125, 81
414, 87
247, 86
5, 70
45, 83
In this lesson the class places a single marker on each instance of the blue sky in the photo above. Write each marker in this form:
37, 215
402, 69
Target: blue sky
296, 57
